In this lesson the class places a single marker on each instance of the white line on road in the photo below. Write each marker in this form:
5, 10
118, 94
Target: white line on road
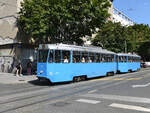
88, 101
92, 91
131, 107
119, 98
135, 86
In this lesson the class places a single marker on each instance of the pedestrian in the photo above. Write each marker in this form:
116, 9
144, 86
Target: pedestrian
19, 69
29, 68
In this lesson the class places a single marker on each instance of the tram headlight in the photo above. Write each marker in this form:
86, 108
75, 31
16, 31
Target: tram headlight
41, 71
50, 73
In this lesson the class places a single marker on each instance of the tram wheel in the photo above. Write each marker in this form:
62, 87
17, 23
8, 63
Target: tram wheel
84, 78
108, 74
79, 78
130, 71
75, 79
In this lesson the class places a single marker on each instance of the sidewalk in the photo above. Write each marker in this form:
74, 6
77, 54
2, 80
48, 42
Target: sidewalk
9, 78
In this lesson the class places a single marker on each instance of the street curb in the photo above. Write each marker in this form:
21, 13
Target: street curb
9, 78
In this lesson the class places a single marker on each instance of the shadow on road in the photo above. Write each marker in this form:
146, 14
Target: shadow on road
46, 83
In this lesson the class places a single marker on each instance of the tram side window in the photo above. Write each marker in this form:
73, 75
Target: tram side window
51, 58
66, 56
103, 58
42, 57
112, 58
109, 58
133, 59
120, 58
138, 59
91, 57
129, 59
124, 58
98, 57
85, 57
57, 56
76, 57
106, 58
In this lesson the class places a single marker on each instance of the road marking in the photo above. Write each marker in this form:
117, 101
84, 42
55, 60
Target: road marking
135, 86
102, 79
131, 107
118, 79
134, 78
92, 91
88, 101
105, 79
119, 98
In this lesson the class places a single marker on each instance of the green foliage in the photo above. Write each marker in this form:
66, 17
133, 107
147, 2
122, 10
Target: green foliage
111, 36
144, 50
118, 38
55, 21
137, 34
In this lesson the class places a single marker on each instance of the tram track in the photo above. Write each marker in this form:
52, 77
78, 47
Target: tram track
32, 88
60, 88
20, 90
68, 94
71, 91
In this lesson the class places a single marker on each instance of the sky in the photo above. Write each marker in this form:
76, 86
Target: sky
137, 10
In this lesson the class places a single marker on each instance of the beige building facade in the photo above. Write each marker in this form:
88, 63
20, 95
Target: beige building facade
11, 49
8, 17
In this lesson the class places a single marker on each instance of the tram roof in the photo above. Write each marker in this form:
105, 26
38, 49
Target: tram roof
75, 48
127, 54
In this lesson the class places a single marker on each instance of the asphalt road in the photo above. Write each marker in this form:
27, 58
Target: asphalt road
122, 93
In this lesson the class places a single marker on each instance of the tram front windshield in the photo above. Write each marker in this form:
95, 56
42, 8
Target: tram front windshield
42, 56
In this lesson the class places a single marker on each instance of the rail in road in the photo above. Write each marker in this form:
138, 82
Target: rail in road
19, 100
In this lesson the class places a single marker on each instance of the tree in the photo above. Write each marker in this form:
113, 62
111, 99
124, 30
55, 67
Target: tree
112, 37
137, 34
55, 21
144, 50
118, 38
142, 34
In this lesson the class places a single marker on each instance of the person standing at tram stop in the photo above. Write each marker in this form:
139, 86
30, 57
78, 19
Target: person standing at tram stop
65, 59
19, 69
29, 68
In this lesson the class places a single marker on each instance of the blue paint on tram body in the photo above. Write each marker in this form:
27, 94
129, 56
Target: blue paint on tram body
60, 62
128, 62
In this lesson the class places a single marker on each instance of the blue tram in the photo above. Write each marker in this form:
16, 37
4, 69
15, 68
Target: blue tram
127, 62
61, 62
